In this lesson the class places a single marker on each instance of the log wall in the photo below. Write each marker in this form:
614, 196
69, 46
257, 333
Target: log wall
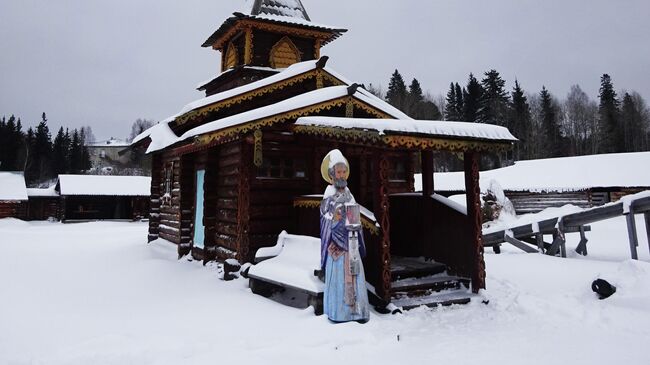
169, 227
13, 209
224, 171
154, 202
42, 208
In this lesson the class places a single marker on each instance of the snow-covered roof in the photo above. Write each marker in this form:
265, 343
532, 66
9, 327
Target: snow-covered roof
112, 142
202, 85
291, 71
12, 186
284, 12
559, 174
45, 192
297, 102
104, 185
289, 8
421, 127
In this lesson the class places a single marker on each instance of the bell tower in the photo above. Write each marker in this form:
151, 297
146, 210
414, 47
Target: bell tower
270, 35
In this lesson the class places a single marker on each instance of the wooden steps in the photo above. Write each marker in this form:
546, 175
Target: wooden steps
434, 300
417, 282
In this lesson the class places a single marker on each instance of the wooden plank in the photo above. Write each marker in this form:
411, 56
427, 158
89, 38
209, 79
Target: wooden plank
631, 233
519, 244
558, 241
582, 246
646, 215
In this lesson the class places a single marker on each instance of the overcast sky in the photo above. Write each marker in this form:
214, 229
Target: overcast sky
105, 63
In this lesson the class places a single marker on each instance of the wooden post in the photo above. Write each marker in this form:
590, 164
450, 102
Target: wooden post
647, 226
473, 190
631, 233
381, 208
540, 242
427, 172
582, 246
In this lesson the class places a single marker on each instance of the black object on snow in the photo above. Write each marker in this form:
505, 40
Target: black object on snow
603, 288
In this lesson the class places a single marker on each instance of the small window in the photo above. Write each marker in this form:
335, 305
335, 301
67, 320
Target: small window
282, 168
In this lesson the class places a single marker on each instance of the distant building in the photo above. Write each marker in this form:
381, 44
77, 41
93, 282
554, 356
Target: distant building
113, 157
13, 195
90, 197
583, 181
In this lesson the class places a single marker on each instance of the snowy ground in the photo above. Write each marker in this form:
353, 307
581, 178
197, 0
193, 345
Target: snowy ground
96, 293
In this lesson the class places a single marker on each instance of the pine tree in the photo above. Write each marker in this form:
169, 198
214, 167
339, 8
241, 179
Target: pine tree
396, 94
610, 136
520, 122
550, 126
494, 101
76, 153
414, 101
42, 150
634, 122
451, 106
460, 102
60, 152
31, 163
472, 99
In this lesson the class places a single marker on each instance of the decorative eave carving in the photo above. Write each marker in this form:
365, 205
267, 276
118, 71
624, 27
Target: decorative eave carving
373, 138
204, 111
296, 30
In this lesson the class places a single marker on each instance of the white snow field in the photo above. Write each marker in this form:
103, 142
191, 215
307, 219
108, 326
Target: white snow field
97, 293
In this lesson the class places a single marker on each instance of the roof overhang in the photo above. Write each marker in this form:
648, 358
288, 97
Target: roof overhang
409, 134
279, 24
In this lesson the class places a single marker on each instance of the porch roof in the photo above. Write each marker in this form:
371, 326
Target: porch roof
403, 133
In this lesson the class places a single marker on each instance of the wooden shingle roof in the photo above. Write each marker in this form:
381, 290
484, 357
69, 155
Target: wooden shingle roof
290, 8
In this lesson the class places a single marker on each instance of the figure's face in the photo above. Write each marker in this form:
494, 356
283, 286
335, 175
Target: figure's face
340, 171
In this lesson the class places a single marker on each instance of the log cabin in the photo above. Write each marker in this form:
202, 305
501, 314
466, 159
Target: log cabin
95, 197
234, 169
13, 195
583, 181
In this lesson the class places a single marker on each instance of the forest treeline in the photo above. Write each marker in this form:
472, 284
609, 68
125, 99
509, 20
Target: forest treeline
545, 125
38, 155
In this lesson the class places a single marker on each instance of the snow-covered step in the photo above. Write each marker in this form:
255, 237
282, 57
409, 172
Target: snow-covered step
413, 267
429, 283
444, 298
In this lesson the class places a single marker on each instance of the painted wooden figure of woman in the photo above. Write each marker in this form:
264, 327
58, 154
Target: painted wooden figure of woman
345, 298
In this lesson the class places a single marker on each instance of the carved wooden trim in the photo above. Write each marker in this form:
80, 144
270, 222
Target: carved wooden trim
382, 213
248, 48
317, 47
284, 53
257, 157
204, 111
232, 56
400, 142
324, 36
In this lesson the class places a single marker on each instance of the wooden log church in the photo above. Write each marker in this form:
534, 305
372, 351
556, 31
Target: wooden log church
234, 169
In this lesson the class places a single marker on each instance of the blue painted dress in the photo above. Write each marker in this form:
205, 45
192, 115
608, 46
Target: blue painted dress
345, 298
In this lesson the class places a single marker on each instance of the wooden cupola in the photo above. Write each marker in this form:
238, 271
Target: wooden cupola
270, 34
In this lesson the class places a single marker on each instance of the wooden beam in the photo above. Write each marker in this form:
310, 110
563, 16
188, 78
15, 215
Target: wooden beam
475, 249
647, 226
427, 172
519, 244
631, 233
558, 242
582, 246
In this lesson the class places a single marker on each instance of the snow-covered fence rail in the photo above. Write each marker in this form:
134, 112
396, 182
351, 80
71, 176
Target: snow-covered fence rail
531, 234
